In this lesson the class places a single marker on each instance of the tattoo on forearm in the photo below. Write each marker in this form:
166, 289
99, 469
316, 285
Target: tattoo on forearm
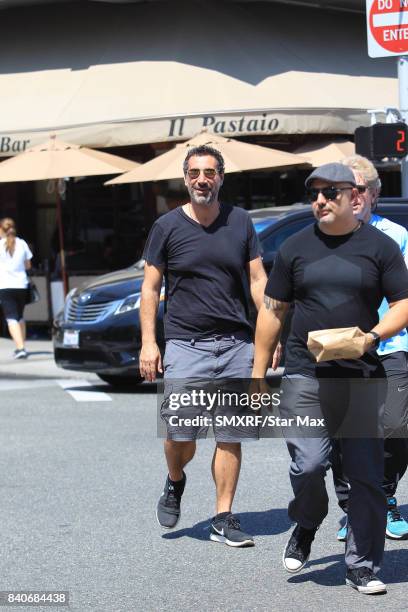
271, 304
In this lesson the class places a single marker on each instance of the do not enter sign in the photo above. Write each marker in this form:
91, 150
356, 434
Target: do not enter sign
387, 27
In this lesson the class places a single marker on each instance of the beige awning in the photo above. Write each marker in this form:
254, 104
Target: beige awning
151, 76
323, 152
238, 157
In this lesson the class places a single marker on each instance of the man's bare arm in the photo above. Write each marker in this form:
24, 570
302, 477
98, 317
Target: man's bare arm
269, 325
394, 320
257, 280
150, 359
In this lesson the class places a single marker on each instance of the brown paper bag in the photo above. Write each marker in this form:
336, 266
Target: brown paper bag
337, 343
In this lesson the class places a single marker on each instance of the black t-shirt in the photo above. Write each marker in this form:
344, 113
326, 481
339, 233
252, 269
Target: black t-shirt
335, 281
205, 271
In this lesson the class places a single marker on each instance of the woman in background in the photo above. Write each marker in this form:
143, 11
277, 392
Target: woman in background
15, 260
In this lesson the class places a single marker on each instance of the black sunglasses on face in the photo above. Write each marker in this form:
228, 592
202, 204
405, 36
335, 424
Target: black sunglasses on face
194, 173
329, 193
361, 188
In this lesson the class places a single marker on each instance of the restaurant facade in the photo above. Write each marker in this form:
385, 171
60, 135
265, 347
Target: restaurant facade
135, 78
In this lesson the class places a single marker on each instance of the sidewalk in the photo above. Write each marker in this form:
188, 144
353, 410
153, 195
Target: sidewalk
40, 363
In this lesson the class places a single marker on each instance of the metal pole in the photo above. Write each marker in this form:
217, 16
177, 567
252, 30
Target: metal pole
61, 243
403, 103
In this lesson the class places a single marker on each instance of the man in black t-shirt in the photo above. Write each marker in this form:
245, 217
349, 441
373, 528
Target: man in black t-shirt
336, 272
208, 252
393, 354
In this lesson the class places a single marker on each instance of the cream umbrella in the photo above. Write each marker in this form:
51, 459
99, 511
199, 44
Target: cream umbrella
321, 153
56, 159
238, 156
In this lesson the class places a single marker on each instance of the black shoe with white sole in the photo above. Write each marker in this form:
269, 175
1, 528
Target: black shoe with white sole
297, 551
364, 581
168, 509
226, 529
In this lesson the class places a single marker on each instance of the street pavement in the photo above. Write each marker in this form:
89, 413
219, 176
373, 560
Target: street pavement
81, 470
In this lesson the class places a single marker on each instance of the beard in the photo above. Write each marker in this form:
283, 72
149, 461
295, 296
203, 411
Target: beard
204, 199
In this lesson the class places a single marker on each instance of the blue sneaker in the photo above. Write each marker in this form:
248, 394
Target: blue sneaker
342, 532
397, 526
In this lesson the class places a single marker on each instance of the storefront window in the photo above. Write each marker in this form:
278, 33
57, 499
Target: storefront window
104, 227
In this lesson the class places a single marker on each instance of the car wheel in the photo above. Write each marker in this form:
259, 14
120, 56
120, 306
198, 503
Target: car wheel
121, 381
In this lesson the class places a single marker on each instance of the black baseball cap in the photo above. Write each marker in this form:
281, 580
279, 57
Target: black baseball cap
332, 173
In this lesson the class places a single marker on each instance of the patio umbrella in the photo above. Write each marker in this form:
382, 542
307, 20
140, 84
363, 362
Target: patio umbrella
56, 159
238, 156
321, 153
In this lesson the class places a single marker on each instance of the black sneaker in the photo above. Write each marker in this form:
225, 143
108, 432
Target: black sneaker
364, 581
226, 528
168, 508
297, 551
20, 354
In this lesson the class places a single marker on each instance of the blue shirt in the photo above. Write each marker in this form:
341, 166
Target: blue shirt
400, 235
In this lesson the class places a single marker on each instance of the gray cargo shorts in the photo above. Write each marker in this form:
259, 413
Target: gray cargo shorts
219, 366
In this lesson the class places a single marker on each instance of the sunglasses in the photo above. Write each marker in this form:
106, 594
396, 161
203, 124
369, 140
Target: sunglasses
329, 193
361, 188
194, 173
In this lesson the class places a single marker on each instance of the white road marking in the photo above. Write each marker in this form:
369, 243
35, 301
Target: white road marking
81, 390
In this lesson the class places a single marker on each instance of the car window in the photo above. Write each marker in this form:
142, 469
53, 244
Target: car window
400, 218
262, 224
277, 236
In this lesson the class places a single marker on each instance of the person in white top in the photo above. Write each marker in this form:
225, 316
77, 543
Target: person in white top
15, 260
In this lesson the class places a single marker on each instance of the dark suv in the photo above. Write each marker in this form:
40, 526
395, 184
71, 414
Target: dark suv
99, 328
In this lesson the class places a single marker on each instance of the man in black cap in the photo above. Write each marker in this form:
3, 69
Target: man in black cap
337, 278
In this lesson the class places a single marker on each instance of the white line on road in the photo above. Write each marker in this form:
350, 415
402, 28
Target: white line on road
81, 390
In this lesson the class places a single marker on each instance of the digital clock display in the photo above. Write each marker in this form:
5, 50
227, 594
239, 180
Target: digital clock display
382, 140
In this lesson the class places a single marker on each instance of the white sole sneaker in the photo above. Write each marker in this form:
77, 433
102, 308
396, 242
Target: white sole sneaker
392, 536
376, 587
223, 540
293, 570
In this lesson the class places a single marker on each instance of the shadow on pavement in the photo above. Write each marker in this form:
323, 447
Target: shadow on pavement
404, 510
199, 531
32, 353
334, 575
395, 564
269, 522
142, 389
393, 569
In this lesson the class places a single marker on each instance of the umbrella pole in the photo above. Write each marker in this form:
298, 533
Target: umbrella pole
61, 244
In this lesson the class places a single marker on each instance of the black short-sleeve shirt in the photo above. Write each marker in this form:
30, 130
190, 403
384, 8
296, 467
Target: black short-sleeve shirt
205, 270
335, 281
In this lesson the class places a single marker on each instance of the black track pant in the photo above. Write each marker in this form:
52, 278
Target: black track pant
395, 431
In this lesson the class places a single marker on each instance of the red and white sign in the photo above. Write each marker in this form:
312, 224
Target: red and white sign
387, 27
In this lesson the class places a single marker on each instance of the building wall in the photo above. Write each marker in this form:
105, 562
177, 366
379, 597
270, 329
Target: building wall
176, 66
